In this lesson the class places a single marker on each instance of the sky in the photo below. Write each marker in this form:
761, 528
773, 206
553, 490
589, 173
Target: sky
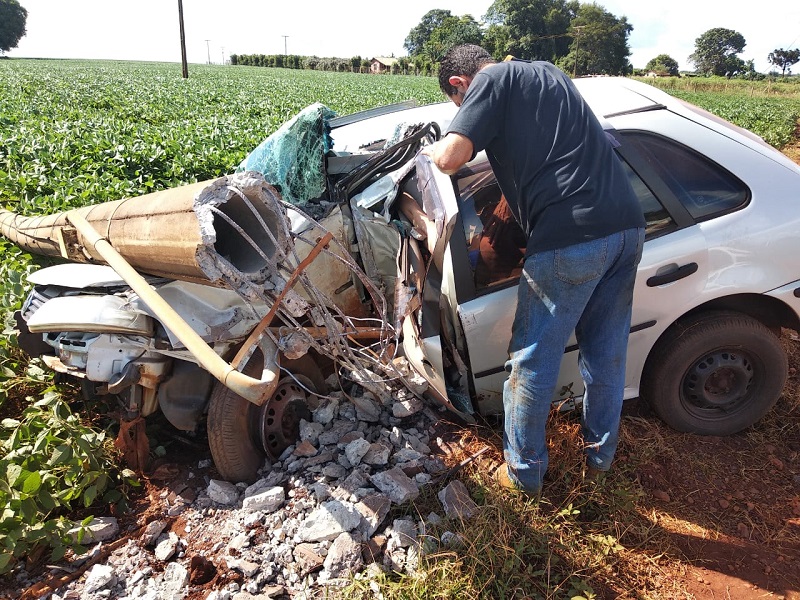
149, 30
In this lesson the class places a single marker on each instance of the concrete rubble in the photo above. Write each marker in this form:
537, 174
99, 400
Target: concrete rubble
321, 514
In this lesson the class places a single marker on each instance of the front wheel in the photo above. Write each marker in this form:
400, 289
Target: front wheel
715, 373
241, 434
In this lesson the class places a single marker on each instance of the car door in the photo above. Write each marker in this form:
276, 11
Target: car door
671, 275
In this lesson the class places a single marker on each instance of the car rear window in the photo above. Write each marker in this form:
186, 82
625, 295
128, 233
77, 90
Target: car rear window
702, 186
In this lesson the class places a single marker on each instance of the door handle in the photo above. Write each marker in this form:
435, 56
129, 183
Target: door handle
679, 273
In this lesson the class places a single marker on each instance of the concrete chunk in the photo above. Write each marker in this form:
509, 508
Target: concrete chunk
344, 556
328, 521
373, 510
396, 485
267, 501
222, 492
456, 501
100, 529
355, 450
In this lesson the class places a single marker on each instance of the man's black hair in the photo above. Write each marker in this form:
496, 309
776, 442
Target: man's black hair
460, 61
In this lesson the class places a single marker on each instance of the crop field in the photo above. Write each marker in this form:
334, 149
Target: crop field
77, 132
80, 132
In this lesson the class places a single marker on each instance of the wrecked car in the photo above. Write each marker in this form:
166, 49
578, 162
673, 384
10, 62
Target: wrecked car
338, 248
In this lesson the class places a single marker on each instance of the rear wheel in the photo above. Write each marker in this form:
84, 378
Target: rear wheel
715, 373
241, 434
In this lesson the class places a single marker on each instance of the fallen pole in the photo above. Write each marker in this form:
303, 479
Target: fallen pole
254, 390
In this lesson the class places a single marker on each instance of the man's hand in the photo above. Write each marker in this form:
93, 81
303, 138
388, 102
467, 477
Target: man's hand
450, 153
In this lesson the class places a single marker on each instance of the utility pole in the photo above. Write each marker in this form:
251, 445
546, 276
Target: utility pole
223, 55
184, 65
577, 46
285, 53
208, 51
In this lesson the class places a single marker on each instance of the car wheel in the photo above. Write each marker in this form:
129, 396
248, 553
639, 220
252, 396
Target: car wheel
715, 373
241, 434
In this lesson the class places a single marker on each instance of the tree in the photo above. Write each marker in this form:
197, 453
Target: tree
451, 32
419, 36
13, 18
715, 52
496, 40
536, 29
600, 43
663, 64
784, 59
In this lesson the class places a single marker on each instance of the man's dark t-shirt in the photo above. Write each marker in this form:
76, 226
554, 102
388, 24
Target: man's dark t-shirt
551, 157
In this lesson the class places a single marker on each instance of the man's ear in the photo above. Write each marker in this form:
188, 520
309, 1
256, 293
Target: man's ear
455, 80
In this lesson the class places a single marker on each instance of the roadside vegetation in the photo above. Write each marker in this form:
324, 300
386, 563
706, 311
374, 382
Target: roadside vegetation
74, 133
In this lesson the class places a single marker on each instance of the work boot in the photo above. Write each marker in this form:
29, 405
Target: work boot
593, 475
504, 480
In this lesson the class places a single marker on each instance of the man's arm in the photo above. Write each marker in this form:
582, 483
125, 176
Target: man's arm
450, 153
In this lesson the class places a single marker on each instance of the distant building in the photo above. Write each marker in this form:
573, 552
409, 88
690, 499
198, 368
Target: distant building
381, 64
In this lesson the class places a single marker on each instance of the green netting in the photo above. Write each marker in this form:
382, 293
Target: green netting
293, 158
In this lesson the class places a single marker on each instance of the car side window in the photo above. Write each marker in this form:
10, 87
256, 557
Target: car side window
656, 216
495, 241
704, 188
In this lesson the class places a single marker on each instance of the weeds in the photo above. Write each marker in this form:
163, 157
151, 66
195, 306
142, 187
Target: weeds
52, 463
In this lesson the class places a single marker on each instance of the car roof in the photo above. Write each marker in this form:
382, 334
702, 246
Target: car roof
609, 96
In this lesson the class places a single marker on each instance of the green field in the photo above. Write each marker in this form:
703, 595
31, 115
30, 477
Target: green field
77, 132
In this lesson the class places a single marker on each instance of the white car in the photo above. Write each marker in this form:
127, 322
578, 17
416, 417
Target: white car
718, 280
719, 276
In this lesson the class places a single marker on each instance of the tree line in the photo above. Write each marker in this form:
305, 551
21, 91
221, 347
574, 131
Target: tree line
403, 65
580, 38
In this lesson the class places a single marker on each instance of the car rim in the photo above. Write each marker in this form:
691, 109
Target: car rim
280, 418
720, 381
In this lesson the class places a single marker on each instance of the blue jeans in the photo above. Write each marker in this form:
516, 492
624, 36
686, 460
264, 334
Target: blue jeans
587, 288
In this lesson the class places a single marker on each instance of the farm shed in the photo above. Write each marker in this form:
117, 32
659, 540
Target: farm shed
381, 64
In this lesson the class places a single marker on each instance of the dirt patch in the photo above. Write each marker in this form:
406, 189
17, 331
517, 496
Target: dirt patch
729, 506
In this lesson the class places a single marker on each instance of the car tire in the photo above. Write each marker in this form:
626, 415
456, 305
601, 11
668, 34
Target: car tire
715, 373
241, 435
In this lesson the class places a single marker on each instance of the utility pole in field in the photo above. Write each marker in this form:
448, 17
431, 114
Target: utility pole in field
184, 65
577, 28
284, 44
208, 51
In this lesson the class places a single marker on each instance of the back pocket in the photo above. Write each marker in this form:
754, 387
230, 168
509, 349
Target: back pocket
581, 263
